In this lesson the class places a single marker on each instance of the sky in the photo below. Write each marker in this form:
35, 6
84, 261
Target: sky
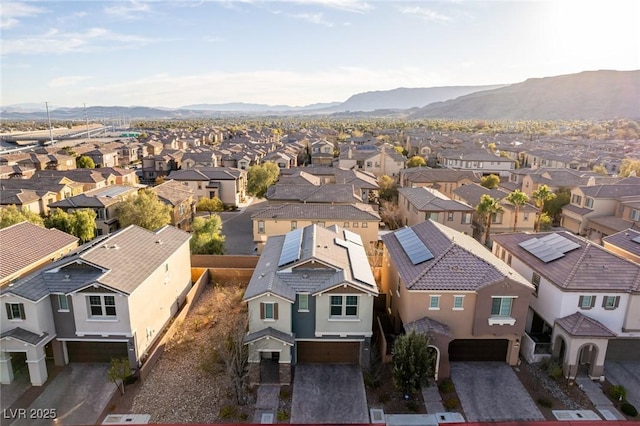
296, 52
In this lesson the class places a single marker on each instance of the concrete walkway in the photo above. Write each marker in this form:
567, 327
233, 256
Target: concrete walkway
267, 403
594, 392
432, 399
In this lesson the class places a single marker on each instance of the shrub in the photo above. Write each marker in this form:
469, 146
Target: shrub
370, 380
618, 392
228, 411
285, 393
413, 406
450, 403
554, 370
243, 416
131, 379
282, 415
446, 386
629, 409
383, 398
544, 402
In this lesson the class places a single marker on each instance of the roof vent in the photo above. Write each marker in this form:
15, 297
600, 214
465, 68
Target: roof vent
305, 276
66, 277
158, 241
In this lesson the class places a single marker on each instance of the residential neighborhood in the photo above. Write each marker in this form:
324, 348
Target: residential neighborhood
284, 269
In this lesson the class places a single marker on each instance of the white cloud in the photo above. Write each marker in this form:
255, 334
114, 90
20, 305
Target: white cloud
314, 18
130, 10
70, 80
424, 13
9, 11
347, 5
57, 42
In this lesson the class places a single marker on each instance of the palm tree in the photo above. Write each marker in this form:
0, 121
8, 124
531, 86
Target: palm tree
541, 196
518, 199
487, 207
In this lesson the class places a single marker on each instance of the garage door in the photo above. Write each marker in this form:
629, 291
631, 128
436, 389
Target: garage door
478, 350
329, 352
96, 351
623, 350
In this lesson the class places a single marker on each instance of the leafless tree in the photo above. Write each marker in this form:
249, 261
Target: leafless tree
391, 215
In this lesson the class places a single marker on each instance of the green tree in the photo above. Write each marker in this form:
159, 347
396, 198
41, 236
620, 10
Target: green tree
60, 220
629, 166
412, 362
545, 222
599, 169
388, 190
540, 196
416, 161
84, 162
554, 207
145, 210
207, 235
210, 205
261, 177
398, 149
491, 182
80, 223
118, 372
11, 215
518, 199
487, 207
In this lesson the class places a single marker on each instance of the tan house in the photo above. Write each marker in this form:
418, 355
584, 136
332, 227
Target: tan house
481, 161
377, 160
179, 197
226, 183
624, 243
444, 180
443, 283
280, 219
423, 203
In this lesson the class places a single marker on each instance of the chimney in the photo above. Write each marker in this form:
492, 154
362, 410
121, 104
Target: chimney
350, 153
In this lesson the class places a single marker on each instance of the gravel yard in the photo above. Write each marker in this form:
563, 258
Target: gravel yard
187, 384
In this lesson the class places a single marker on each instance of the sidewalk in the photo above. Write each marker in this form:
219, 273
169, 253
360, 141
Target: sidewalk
602, 403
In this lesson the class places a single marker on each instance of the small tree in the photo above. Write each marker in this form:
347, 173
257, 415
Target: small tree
518, 199
492, 181
210, 205
599, 169
207, 235
80, 223
416, 161
84, 162
391, 214
412, 362
118, 372
388, 190
487, 207
261, 177
145, 210
11, 215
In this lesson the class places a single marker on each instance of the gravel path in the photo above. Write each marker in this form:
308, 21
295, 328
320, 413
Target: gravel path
550, 385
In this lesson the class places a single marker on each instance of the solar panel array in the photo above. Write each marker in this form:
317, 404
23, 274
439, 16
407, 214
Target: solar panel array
360, 268
636, 239
413, 246
292, 247
112, 191
352, 236
550, 247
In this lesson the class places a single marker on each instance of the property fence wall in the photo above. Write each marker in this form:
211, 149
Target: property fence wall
218, 261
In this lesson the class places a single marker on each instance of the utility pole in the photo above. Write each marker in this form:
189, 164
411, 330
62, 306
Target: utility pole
46, 104
86, 117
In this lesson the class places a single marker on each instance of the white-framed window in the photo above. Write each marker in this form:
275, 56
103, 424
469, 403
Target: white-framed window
449, 216
434, 302
466, 218
635, 215
588, 202
102, 306
261, 227
303, 302
346, 225
431, 215
535, 280
610, 302
63, 303
269, 311
15, 311
509, 257
501, 306
344, 306
576, 199
294, 225
586, 302
365, 224
355, 224
458, 302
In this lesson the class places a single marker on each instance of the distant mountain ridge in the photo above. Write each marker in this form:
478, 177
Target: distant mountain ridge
597, 95
247, 107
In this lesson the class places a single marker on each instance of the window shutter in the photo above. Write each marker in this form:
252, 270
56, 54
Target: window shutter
22, 316
593, 301
617, 302
261, 310
8, 307
580, 301
275, 311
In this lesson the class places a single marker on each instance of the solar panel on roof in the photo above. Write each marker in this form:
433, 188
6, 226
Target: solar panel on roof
549, 247
636, 239
353, 237
360, 268
560, 243
413, 246
291, 247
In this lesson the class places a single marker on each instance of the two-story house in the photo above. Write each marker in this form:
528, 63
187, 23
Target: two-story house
179, 197
226, 183
481, 161
443, 283
444, 180
423, 203
378, 160
310, 299
96, 303
321, 152
586, 300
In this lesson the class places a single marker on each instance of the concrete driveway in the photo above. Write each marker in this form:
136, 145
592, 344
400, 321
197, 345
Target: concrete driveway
627, 374
328, 393
79, 395
491, 392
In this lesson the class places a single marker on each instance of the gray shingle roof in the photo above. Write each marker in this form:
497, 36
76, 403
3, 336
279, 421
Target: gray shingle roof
580, 325
589, 267
24, 336
459, 262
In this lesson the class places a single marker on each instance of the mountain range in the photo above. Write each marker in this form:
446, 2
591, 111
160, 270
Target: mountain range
595, 95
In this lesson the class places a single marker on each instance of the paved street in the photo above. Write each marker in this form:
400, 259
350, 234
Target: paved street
238, 228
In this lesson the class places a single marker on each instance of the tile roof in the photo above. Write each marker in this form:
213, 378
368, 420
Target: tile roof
459, 262
120, 261
427, 199
100, 197
25, 243
580, 325
207, 173
589, 267
318, 247
24, 336
18, 196
576, 209
624, 240
269, 332
426, 175
429, 327
329, 193
472, 193
318, 211
173, 192
611, 191
612, 222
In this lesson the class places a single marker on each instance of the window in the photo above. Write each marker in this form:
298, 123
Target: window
15, 311
449, 216
610, 302
261, 227
368, 163
466, 218
365, 224
635, 215
63, 303
269, 311
588, 202
576, 199
535, 280
431, 215
303, 302
501, 306
509, 259
321, 223
346, 225
102, 306
199, 185
525, 217
458, 302
586, 302
434, 302
344, 306
355, 224
294, 225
